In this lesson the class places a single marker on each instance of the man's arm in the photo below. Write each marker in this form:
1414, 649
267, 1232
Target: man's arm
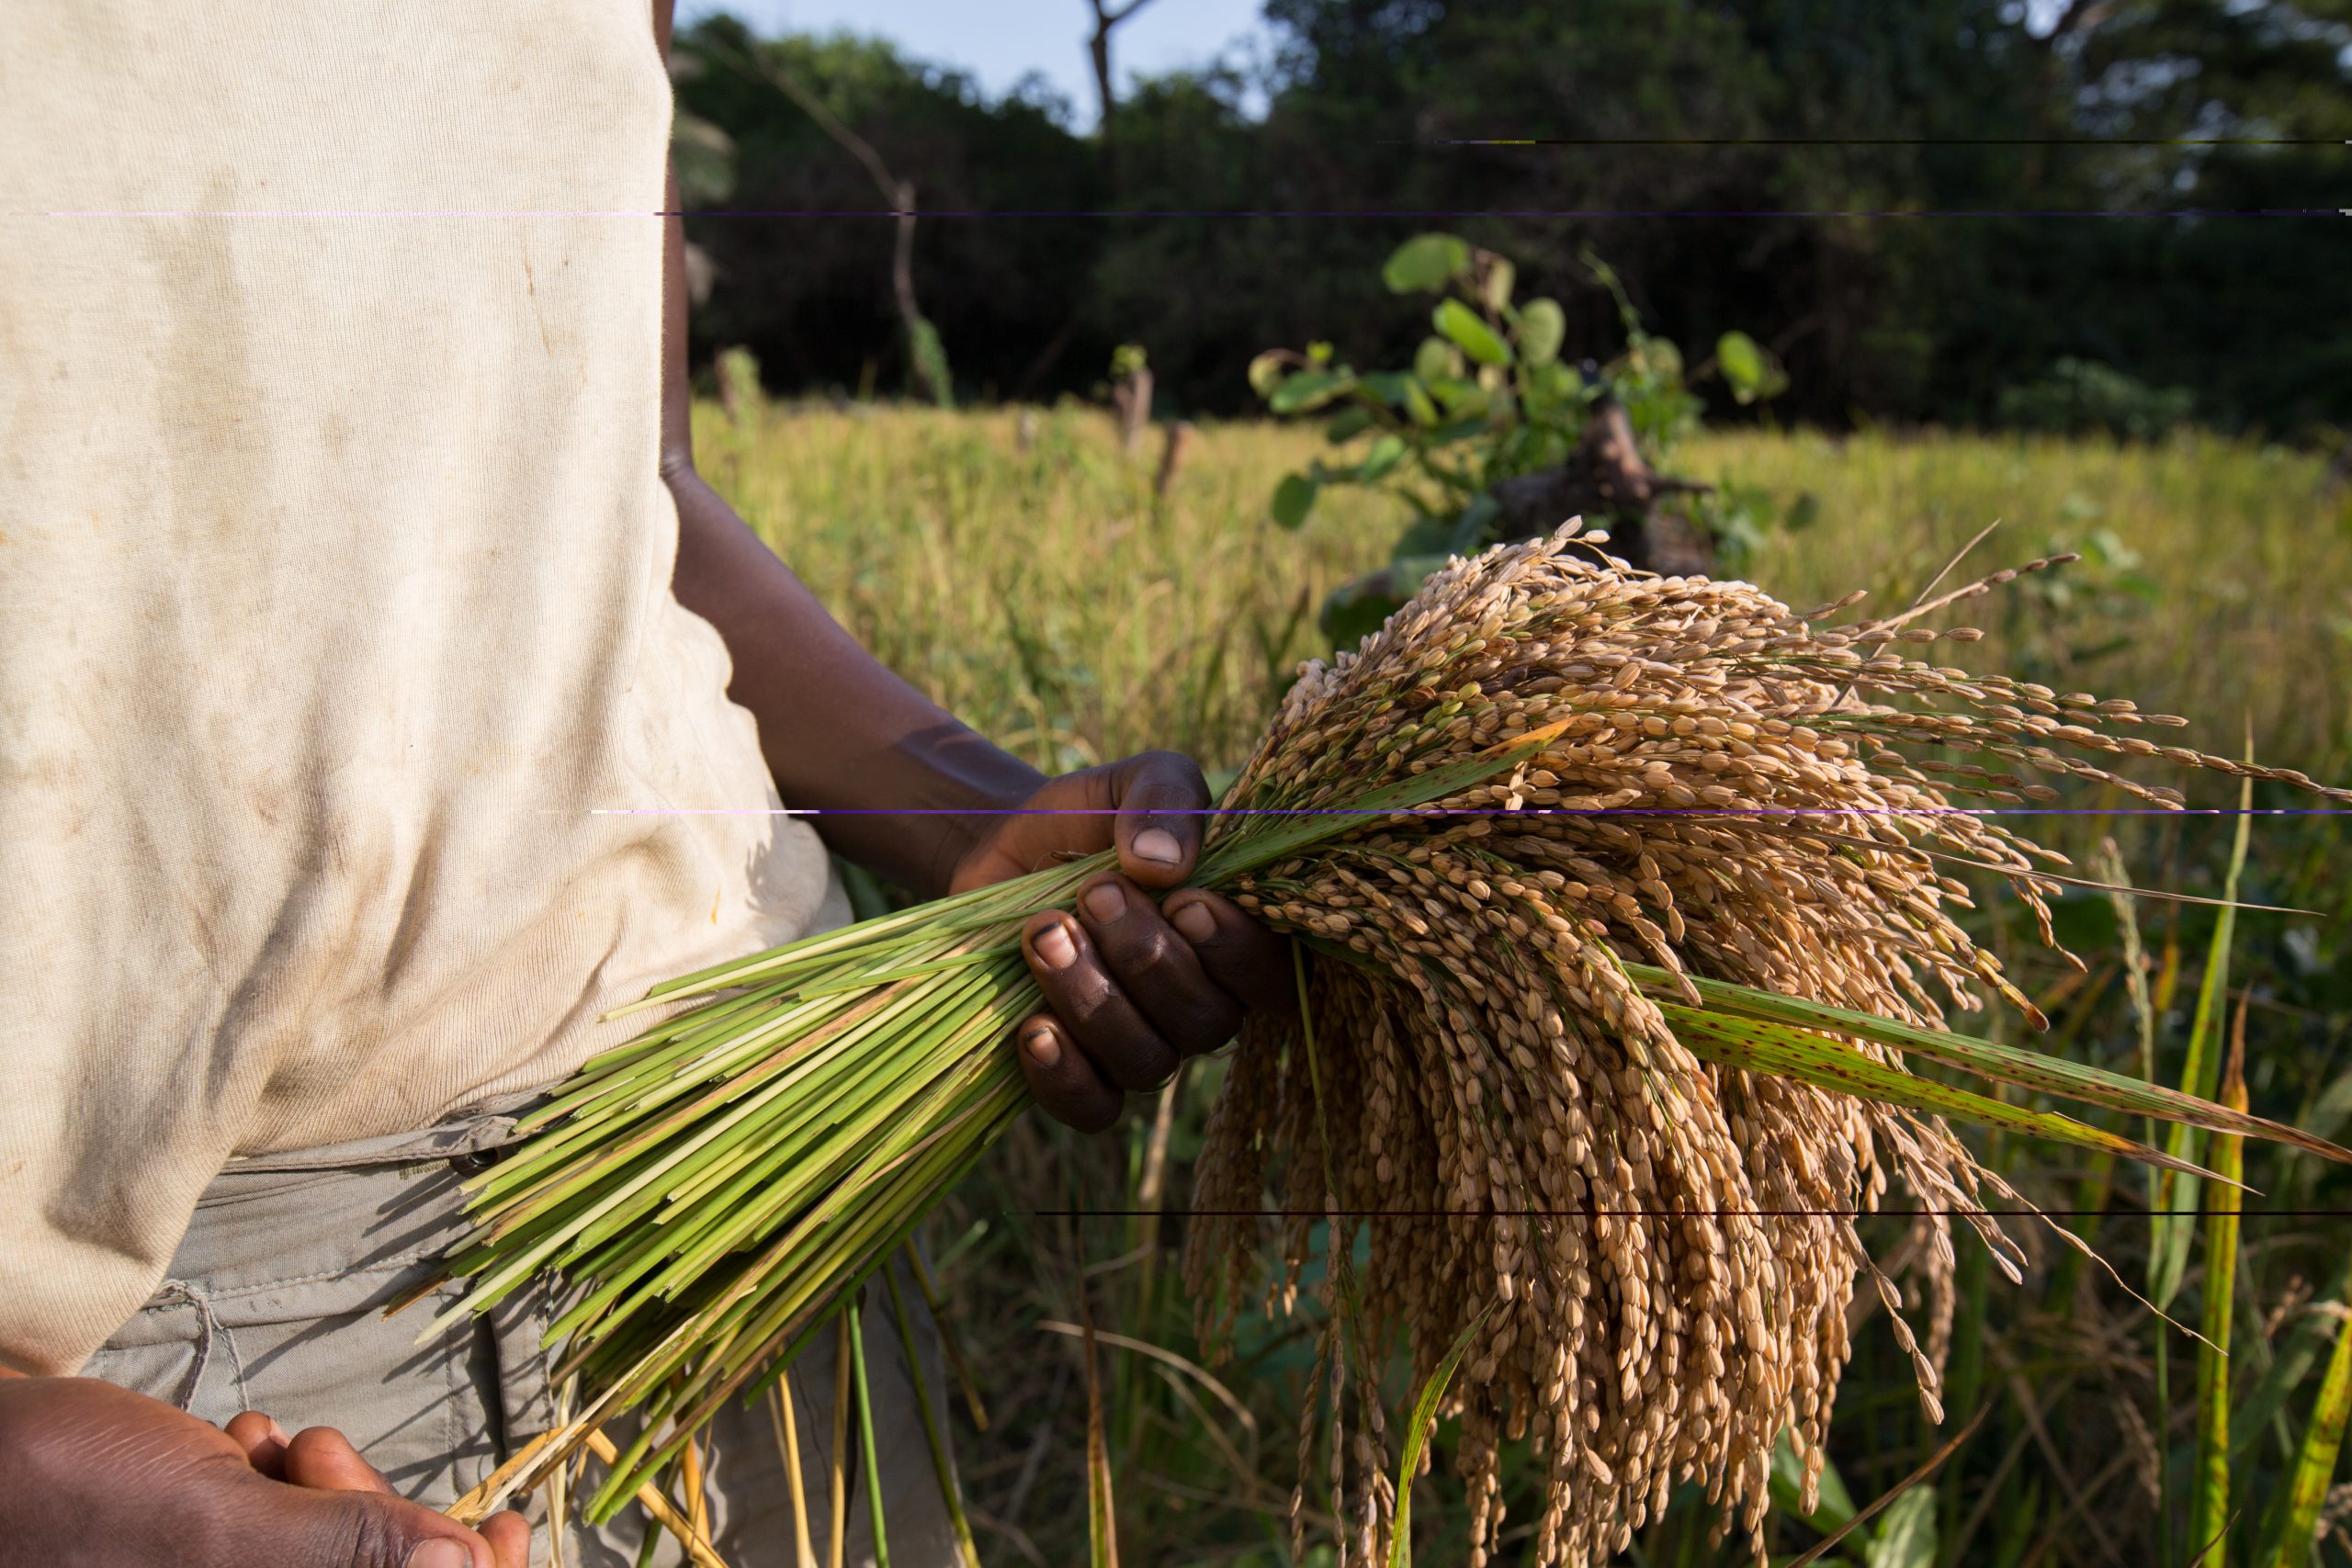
838, 728
1134, 984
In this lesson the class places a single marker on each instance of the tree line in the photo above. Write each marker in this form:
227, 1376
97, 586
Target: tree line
2108, 212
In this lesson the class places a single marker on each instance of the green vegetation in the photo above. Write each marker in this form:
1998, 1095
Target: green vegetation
1049, 598
1488, 438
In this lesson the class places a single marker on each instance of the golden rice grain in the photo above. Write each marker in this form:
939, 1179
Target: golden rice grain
1665, 1248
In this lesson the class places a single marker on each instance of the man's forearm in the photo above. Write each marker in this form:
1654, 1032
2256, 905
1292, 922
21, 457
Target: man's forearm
841, 732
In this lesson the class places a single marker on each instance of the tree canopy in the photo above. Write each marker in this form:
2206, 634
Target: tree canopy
2031, 187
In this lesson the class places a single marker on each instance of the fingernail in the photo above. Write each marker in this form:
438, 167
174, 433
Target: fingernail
1159, 844
440, 1552
1053, 946
1042, 1048
278, 1434
1106, 902
1194, 921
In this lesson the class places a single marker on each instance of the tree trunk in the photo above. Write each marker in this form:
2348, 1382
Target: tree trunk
922, 350
1098, 49
1608, 484
927, 358
1131, 397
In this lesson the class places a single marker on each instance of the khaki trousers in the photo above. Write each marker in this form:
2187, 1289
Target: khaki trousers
275, 1303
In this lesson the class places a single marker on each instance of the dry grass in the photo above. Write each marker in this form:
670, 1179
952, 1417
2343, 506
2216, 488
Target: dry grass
1045, 598
2217, 582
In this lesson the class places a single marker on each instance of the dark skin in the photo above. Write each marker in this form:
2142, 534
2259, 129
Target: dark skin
94, 1476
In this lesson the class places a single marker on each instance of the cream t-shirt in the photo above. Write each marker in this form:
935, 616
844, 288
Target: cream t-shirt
335, 604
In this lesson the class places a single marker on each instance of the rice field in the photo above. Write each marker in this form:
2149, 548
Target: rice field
1030, 579
1047, 599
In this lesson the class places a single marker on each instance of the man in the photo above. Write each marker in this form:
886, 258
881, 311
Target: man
382, 697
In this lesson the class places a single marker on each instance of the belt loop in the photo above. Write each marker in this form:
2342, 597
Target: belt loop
209, 1326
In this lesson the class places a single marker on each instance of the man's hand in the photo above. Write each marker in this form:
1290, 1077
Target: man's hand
1136, 985
95, 1476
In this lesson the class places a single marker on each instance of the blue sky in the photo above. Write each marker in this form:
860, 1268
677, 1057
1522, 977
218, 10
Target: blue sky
996, 41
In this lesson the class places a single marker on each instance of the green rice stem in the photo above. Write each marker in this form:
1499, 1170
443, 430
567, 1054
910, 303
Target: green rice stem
866, 1435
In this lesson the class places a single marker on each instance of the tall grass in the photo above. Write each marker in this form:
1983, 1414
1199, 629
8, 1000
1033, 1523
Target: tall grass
2215, 572
1046, 596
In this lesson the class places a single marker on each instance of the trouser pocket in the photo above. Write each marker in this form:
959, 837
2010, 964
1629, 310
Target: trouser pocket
275, 1301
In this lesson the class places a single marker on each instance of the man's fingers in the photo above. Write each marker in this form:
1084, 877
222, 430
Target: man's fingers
264, 1442
1154, 967
1092, 1009
1131, 993
368, 1526
1246, 960
1158, 829
127, 1479
340, 1528
442, 1553
324, 1461
510, 1540
1064, 1081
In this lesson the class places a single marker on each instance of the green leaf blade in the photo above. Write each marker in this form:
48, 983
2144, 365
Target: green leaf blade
2177, 1198
2290, 1543
1463, 327
1782, 1052
1417, 1435
1543, 328
1293, 499
1308, 390
2208, 1501
2036, 1070
1424, 262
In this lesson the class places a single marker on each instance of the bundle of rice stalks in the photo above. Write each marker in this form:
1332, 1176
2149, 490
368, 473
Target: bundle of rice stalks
1625, 902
